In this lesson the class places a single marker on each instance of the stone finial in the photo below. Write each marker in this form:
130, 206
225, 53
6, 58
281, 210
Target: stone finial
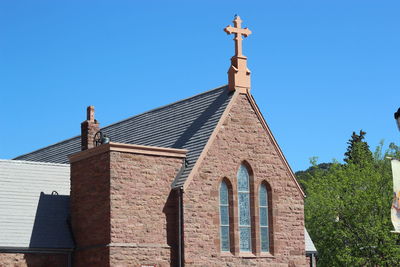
238, 74
88, 129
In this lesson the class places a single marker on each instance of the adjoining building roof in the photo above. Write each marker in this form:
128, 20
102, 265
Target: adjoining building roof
185, 124
34, 205
310, 248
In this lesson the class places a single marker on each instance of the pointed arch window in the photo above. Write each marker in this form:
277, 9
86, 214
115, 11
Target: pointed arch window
264, 225
243, 184
224, 216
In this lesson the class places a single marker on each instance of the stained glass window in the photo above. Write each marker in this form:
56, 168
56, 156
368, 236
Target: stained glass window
243, 181
224, 216
264, 232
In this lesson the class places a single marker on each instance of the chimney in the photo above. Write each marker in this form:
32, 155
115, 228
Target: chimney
88, 129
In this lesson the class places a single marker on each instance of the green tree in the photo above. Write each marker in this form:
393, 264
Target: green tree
303, 176
358, 150
347, 209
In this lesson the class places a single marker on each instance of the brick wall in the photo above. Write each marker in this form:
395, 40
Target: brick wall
33, 259
143, 209
308, 261
242, 138
90, 207
123, 211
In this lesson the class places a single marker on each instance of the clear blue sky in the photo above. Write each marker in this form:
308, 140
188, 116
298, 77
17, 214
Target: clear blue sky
320, 69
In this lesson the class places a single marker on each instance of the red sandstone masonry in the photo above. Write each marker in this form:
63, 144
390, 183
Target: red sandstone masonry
143, 211
122, 207
90, 207
33, 259
242, 138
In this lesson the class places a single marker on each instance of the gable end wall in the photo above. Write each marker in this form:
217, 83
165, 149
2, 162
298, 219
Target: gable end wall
242, 138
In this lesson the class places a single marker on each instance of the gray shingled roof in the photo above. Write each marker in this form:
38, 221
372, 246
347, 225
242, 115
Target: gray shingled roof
310, 248
185, 124
34, 205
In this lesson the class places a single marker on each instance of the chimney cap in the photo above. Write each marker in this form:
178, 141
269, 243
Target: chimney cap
90, 113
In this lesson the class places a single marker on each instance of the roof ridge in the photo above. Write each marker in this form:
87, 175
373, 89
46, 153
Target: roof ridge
115, 123
167, 105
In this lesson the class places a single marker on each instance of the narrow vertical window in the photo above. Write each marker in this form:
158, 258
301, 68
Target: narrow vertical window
244, 209
264, 230
224, 216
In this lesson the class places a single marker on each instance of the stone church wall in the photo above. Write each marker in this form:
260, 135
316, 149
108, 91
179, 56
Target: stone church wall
123, 210
242, 139
143, 210
33, 259
90, 209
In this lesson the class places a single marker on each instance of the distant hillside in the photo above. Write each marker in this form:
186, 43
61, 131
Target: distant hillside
304, 176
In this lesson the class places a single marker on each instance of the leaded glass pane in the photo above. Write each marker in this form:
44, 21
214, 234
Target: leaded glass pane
263, 216
243, 179
223, 193
263, 196
244, 209
245, 238
224, 215
264, 239
225, 238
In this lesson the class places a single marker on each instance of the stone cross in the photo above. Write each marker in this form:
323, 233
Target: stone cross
238, 31
238, 73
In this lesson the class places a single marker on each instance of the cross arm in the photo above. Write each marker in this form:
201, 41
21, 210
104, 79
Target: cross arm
229, 30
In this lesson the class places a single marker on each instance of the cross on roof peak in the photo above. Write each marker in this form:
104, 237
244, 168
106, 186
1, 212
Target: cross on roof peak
238, 74
238, 31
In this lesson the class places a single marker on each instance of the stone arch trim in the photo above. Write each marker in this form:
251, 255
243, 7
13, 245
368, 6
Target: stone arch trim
271, 214
218, 127
232, 221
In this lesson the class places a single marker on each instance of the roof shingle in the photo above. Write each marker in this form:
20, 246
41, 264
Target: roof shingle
185, 124
34, 205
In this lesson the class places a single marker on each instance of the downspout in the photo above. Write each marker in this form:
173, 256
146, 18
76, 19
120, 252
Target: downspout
180, 228
181, 256
70, 259
70, 254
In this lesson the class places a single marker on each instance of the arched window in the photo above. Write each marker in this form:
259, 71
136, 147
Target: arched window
224, 216
243, 184
264, 227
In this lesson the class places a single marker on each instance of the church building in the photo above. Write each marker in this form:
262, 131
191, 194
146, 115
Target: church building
199, 182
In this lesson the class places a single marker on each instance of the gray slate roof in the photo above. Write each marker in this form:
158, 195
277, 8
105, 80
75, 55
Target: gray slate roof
185, 124
32, 214
310, 248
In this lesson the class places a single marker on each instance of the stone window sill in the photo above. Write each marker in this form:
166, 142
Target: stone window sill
266, 255
226, 254
247, 255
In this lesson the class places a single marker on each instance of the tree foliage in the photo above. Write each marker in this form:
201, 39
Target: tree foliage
358, 150
347, 209
304, 176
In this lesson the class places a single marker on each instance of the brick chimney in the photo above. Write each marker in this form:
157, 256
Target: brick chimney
88, 129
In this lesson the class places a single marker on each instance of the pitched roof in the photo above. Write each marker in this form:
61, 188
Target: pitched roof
185, 124
310, 248
34, 199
